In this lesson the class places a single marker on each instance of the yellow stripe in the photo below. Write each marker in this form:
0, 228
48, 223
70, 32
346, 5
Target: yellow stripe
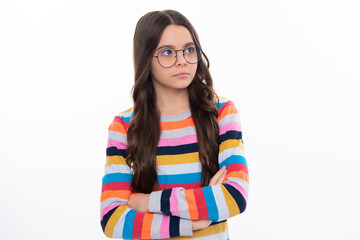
116, 159
230, 202
231, 143
127, 110
211, 230
177, 159
109, 229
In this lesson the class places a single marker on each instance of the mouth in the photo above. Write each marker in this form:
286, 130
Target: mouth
182, 74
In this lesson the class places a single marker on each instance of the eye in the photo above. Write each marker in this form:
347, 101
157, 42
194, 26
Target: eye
166, 52
190, 49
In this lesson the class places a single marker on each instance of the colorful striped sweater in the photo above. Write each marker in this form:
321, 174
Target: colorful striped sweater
178, 198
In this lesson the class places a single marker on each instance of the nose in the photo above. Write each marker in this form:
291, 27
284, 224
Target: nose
180, 59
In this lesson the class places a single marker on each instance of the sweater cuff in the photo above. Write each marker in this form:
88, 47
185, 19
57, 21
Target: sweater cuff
155, 202
185, 227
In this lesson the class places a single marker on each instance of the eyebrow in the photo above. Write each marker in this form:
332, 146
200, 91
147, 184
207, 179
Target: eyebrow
163, 46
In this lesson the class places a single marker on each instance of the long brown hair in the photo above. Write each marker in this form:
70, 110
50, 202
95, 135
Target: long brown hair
143, 134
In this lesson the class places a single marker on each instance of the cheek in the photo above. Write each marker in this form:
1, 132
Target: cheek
194, 69
154, 69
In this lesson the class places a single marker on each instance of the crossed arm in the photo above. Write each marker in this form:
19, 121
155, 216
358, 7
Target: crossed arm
140, 201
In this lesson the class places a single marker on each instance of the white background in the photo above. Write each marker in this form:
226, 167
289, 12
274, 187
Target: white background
290, 67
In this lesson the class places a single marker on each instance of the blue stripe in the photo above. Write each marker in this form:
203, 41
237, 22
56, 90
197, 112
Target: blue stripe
117, 177
129, 224
221, 104
211, 203
233, 159
127, 119
180, 178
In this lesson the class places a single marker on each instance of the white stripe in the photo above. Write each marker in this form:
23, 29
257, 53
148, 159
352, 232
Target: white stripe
229, 118
117, 168
239, 181
179, 168
231, 151
220, 202
119, 227
156, 225
118, 136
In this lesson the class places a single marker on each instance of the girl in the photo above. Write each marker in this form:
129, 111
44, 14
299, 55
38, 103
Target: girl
175, 161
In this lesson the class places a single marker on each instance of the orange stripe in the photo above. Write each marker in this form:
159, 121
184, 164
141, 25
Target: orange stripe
176, 125
237, 174
123, 194
146, 229
118, 127
190, 198
227, 110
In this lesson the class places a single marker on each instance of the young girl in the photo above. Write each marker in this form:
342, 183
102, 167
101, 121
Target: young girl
175, 160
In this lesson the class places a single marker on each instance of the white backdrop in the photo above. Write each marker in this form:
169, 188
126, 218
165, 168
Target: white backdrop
290, 67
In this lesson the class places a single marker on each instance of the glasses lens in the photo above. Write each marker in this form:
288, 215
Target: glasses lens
167, 57
192, 54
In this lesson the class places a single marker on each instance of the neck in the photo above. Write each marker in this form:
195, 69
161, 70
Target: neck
173, 101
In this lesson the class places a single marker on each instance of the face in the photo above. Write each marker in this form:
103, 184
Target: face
178, 37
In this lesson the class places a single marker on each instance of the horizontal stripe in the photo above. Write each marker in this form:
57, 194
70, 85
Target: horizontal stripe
115, 186
179, 168
175, 133
184, 185
115, 168
179, 178
177, 125
191, 157
117, 177
115, 159
172, 150
189, 139
178, 190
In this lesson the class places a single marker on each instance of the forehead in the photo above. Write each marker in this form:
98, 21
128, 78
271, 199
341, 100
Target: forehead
176, 36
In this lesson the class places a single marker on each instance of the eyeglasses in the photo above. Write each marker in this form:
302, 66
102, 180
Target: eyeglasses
167, 56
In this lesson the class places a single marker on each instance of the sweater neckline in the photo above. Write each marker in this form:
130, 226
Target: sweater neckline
175, 117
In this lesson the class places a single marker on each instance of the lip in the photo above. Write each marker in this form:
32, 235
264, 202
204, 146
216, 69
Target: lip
182, 74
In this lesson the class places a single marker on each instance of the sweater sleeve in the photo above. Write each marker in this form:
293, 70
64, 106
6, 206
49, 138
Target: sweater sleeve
216, 202
118, 220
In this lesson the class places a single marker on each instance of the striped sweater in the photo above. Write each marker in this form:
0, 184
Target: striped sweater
178, 198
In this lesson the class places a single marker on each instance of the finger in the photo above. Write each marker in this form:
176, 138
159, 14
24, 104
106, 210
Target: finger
215, 179
221, 180
222, 177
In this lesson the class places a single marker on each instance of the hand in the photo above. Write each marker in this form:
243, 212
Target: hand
218, 178
139, 202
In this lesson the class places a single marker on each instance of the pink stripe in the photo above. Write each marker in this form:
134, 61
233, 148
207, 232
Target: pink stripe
240, 189
178, 141
117, 144
230, 126
164, 229
107, 209
174, 207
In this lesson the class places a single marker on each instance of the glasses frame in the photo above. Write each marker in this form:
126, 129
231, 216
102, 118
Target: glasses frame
197, 47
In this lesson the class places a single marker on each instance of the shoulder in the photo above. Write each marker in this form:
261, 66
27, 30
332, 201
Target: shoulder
226, 105
121, 121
